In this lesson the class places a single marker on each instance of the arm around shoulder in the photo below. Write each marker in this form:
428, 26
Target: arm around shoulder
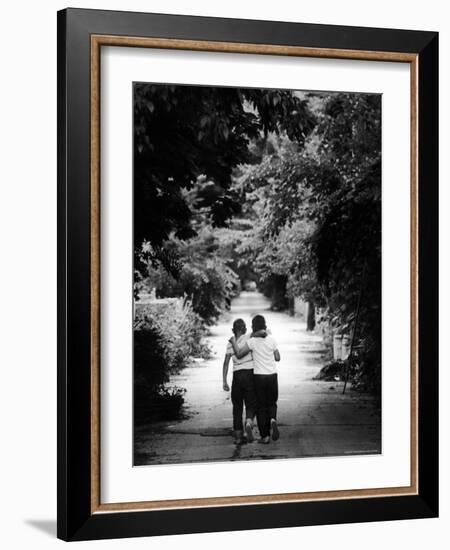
239, 352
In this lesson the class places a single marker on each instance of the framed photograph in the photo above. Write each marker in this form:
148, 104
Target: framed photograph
247, 254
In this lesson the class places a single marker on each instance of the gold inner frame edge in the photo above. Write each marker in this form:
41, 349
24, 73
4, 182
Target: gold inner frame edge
97, 41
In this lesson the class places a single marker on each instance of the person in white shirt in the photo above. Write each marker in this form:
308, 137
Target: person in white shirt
265, 356
243, 386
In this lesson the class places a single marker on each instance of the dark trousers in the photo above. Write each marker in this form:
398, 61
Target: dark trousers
242, 392
266, 387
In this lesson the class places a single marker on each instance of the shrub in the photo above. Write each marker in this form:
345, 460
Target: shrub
199, 269
150, 365
209, 283
152, 400
167, 334
180, 330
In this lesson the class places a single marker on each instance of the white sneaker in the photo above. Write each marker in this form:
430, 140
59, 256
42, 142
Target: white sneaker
249, 430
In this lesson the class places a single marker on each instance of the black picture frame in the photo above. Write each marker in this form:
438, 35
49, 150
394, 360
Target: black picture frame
76, 521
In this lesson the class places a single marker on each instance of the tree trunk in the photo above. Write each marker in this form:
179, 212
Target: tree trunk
311, 317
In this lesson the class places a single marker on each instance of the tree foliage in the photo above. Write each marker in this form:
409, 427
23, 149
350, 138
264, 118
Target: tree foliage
279, 187
183, 132
202, 274
318, 212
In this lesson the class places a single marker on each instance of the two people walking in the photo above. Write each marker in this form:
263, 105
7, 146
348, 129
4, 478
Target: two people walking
255, 380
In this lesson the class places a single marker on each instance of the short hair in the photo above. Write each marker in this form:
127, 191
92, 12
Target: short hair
239, 326
258, 323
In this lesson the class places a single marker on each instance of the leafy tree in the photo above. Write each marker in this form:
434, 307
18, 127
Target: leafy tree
318, 205
280, 187
203, 275
182, 132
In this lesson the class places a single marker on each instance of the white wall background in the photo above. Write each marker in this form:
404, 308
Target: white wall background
28, 274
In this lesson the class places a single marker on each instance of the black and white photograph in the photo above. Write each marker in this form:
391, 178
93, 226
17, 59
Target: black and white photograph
257, 274
224, 277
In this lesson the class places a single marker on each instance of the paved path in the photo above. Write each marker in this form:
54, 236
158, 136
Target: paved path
315, 419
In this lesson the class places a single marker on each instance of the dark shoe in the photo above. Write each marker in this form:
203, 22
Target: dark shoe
264, 440
274, 428
249, 430
238, 439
